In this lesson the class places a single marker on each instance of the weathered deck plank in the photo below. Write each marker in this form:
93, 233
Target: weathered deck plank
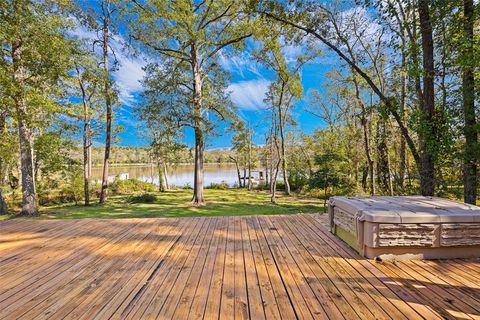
274, 267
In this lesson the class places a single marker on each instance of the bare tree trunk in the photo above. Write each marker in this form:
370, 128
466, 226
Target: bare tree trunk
86, 159
86, 143
108, 103
90, 157
250, 184
284, 165
3, 204
29, 197
238, 171
364, 178
366, 136
282, 154
244, 177
427, 164
199, 140
3, 133
165, 176
383, 168
272, 162
274, 181
389, 171
161, 181
266, 160
468, 92
198, 176
277, 167
403, 95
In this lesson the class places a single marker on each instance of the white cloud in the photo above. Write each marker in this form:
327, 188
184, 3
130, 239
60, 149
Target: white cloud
239, 63
249, 94
128, 77
130, 71
292, 52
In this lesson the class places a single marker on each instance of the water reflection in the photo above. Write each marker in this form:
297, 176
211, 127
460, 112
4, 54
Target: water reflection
179, 175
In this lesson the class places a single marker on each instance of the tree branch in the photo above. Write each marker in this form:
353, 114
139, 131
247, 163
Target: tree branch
166, 51
387, 100
202, 26
220, 46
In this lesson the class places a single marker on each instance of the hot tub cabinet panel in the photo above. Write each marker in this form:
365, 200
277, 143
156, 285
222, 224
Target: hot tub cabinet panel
406, 235
407, 227
460, 234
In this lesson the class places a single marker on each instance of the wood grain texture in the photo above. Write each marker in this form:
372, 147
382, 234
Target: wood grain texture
265, 267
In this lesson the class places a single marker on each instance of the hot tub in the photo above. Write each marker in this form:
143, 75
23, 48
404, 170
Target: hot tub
407, 227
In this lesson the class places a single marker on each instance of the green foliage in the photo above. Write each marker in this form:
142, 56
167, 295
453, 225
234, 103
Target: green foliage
329, 171
73, 189
187, 186
131, 186
46, 54
298, 180
143, 198
188, 88
218, 186
240, 142
52, 153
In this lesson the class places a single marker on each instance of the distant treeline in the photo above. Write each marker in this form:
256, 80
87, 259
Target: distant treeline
138, 155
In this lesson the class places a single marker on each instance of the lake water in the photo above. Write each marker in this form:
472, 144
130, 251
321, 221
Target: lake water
179, 175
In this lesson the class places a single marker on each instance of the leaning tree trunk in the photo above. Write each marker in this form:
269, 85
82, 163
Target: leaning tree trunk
468, 92
238, 171
165, 176
108, 105
389, 101
427, 135
29, 198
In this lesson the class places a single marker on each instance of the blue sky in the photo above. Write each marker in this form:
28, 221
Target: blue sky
248, 85
249, 81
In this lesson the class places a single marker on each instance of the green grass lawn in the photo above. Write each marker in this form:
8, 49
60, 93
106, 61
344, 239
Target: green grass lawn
177, 204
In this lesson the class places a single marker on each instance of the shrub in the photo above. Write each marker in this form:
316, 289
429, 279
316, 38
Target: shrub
280, 185
72, 190
262, 186
119, 187
218, 186
297, 180
143, 198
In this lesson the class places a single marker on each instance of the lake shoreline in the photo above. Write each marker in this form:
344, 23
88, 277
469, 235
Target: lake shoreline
139, 164
180, 175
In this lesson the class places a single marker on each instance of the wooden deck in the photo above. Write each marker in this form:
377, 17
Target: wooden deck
279, 267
